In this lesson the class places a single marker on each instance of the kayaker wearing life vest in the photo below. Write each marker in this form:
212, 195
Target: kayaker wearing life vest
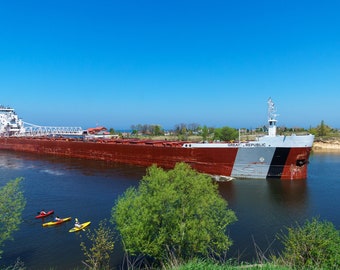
42, 212
77, 224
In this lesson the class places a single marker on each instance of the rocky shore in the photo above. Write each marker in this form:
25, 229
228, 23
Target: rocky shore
327, 146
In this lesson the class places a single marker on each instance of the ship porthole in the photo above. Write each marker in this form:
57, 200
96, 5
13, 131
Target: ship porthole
261, 159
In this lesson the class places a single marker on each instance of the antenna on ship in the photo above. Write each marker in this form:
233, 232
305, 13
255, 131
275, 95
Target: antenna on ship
271, 118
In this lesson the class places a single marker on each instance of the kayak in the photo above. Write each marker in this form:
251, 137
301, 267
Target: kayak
45, 215
82, 226
57, 222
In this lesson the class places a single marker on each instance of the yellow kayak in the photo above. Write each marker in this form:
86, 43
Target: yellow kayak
82, 226
57, 222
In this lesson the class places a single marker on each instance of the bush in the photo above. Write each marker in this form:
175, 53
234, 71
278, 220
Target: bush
12, 204
173, 214
98, 255
315, 245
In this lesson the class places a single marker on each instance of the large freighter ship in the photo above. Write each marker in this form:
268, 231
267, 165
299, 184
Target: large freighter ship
270, 156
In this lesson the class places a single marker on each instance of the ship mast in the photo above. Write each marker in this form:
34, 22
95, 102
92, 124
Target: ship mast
271, 118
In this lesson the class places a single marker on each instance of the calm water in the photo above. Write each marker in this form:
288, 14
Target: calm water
88, 190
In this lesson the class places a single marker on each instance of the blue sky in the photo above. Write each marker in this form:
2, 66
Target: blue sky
215, 63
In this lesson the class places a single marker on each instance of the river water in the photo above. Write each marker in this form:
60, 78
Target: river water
88, 190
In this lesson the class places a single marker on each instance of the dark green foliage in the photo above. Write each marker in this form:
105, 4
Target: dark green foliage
315, 245
205, 133
98, 255
12, 203
176, 213
322, 130
150, 130
225, 134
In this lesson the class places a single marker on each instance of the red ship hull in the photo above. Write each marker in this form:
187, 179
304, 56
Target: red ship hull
215, 161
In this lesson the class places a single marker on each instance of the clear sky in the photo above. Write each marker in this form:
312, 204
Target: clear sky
215, 63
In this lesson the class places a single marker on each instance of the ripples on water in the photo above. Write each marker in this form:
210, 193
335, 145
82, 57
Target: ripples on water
88, 190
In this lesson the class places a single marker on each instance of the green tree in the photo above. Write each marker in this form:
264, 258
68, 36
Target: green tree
322, 129
225, 134
12, 204
181, 129
315, 245
98, 255
177, 213
157, 130
205, 133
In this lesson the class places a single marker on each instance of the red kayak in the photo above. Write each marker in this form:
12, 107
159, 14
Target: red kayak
45, 215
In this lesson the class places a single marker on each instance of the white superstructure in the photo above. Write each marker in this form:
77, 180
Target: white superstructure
12, 125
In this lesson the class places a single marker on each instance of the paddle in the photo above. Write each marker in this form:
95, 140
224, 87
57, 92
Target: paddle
81, 228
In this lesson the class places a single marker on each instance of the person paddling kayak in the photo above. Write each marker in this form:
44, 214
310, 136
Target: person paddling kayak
77, 223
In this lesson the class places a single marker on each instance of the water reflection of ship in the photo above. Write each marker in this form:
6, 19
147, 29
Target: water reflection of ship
263, 209
292, 194
62, 165
14, 164
226, 190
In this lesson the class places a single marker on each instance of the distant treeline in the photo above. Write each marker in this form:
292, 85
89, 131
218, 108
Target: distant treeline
223, 133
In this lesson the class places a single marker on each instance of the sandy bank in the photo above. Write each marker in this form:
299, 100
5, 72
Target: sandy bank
322, 146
